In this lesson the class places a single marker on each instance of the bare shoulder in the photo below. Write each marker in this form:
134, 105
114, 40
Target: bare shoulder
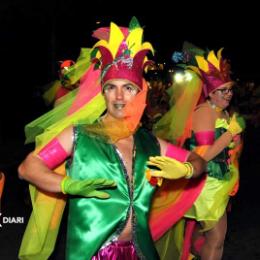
203, 118
66, 138
203, 109
66, 132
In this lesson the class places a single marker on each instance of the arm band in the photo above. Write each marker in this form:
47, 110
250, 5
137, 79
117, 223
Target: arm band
53, 154
177, 153
205, 137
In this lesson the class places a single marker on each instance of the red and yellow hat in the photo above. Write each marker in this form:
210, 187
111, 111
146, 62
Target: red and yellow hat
214, 71
121, 52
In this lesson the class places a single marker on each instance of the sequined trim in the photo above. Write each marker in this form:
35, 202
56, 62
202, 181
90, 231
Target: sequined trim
130, 185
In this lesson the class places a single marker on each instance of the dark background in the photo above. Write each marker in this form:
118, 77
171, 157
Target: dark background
34, 35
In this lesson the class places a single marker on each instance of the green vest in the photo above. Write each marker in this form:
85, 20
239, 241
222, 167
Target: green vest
92, 221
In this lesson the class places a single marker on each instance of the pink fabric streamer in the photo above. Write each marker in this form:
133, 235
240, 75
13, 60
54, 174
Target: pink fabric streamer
89, 87
198, 243
176, 211
177, 153
103, 33
189, 228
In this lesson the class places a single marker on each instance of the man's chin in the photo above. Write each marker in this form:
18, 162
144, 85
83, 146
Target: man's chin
118, 116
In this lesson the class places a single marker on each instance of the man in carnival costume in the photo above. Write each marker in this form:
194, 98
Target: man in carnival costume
107, 179
202, 94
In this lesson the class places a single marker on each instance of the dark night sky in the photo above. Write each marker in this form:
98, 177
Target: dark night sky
34, 35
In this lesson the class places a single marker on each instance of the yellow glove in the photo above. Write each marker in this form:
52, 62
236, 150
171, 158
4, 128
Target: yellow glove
170, 168
236, 125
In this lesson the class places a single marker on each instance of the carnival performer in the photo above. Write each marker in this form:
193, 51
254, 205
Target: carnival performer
108, 182
70, 74
66, 86
203, 93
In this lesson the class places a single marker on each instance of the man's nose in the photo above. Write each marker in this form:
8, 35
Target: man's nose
119, 93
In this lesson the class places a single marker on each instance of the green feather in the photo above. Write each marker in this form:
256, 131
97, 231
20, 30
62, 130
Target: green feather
134, 24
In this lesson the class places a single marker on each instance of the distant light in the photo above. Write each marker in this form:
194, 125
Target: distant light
178, 77
98, 22
188, 76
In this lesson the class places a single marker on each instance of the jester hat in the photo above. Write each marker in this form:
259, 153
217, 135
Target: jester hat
214, 71
121, 53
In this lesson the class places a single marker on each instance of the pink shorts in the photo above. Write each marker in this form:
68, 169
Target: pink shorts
118, 250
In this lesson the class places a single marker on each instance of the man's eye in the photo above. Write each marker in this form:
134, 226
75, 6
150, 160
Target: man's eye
131, 89
109, 87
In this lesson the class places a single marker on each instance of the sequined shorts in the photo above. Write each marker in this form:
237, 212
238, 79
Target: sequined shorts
117, 250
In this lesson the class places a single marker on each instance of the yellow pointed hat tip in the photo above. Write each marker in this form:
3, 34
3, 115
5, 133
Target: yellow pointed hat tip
148, 45
219, 54
116, 36
202, 63
134, 40
213, 59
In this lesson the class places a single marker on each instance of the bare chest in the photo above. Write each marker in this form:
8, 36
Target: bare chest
125, 149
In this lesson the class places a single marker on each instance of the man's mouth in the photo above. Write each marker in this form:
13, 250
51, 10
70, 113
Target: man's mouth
119, 106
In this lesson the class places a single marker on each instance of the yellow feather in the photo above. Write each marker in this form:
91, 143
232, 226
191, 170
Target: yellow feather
134, 41
193, 68
219, 54
213, 59
115, 38
202, 63
148, 45
101, 43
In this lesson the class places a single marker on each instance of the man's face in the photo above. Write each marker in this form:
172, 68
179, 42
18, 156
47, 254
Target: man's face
118, 93
222, 96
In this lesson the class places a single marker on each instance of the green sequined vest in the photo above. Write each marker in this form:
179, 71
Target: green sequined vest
93, 221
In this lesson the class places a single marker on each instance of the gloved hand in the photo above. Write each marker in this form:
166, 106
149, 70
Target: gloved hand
170, 168
86, 188
236, 125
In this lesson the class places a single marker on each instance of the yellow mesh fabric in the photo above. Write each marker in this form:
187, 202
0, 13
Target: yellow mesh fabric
42, 229
175, 125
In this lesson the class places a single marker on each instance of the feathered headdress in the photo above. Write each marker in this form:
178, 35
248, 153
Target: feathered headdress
121, 52
213, 70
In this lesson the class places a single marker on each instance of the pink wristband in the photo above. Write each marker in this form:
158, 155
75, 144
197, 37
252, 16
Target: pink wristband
205, 137
53, 154
177, 153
